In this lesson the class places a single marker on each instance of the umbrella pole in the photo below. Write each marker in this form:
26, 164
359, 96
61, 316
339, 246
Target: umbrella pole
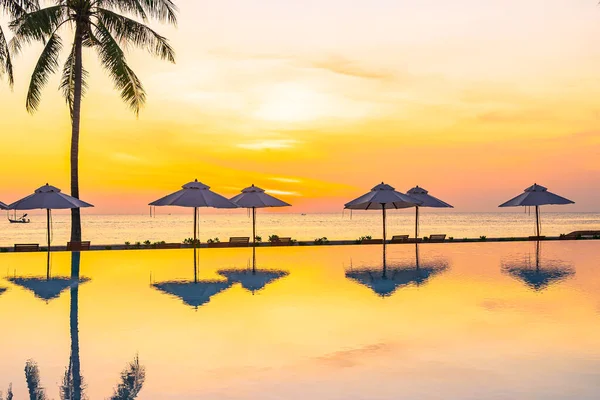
537, 220
416, 222
253, 260
195, 236
253, 226
417, 255
48, 252
383, 209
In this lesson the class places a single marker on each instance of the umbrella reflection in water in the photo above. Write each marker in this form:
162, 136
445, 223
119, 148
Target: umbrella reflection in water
47, 288
252, 279
194, 293
385, 280
534, 275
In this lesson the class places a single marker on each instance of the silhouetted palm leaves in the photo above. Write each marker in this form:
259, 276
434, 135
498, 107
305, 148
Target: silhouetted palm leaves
132, 380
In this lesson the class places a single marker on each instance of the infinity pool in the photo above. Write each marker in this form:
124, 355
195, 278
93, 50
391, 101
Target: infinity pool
442, 321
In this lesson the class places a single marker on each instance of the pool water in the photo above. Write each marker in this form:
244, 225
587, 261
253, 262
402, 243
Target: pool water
441, 321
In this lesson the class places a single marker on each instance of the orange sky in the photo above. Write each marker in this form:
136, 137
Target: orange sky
320, 100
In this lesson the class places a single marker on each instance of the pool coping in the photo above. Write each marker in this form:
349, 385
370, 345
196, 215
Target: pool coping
303, 243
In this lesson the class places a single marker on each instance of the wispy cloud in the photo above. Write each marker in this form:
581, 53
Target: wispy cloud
283, 192
268, 144
342, 66
284, 180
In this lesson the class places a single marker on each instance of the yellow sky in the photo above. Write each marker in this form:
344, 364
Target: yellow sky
320, 100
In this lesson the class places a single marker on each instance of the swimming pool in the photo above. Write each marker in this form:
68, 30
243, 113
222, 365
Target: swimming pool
444, 321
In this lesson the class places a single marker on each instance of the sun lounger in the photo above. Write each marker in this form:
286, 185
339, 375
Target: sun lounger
437, 238
168, 246
371, 241
27, 247
282, 241
78, 246
239, 241
399, 239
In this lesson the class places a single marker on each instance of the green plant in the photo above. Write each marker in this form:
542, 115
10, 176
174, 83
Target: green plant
273, 238
425, 238
147, 243
191, 241
138, 245
579, 236
451, 238
596, 237
215, 240
258, 239
107, 247
3, 250
321, 241
361, 238
482, 238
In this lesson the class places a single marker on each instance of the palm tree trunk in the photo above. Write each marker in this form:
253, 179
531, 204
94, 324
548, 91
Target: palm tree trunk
74, 319
75, 120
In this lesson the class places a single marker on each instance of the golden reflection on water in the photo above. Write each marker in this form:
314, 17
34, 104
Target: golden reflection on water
471, 330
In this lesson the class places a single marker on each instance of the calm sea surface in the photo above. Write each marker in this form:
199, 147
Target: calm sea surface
117, 229
441, 321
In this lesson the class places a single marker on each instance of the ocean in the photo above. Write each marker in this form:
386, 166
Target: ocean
117, 229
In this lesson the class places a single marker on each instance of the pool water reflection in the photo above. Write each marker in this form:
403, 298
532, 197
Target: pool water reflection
453, 321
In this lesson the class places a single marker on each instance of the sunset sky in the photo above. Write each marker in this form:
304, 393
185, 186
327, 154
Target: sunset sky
319, 100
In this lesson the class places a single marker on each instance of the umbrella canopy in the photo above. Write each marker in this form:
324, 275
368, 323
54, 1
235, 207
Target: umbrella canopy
254, 197
385, 282
382, 197
194, 194
50, 198
46, 289
252, 279
194, 294
3, 206
536, 195
2, 290
536, 276
426, 200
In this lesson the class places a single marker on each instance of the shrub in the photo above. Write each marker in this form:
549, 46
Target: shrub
147, 243
273, 238
258, 239
191, 241
451, 238
482, 238
215, 240
425, 238
360, 239
127, 244
3, 250
321, 241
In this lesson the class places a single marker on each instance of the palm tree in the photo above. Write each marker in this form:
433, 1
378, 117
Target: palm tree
14, 8
100, 25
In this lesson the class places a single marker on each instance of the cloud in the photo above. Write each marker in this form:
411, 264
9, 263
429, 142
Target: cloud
268, 144
284, 180
283, 192
342, 66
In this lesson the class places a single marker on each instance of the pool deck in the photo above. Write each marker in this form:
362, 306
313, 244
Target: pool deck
225, 245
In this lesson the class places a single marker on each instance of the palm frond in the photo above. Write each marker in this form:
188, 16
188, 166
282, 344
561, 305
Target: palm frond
162, 10
32, 376
113, 60
5, 60
37, 25
126, 30
46, 65
133, 7
67, 81
16, 8
132, 381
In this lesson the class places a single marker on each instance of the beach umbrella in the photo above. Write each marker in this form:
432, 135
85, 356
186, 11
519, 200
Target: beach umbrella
195, 195
426, 200
382, 197
49, 198
385, 280
535, 275
2, 290
254, 197
536, 196
3, 206
195, 293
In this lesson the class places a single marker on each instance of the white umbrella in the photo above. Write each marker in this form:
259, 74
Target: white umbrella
382, 197
49, 198
195, 194
537, 196
426, 200
254, 197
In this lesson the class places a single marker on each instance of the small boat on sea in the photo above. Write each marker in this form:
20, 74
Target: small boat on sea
21, 220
